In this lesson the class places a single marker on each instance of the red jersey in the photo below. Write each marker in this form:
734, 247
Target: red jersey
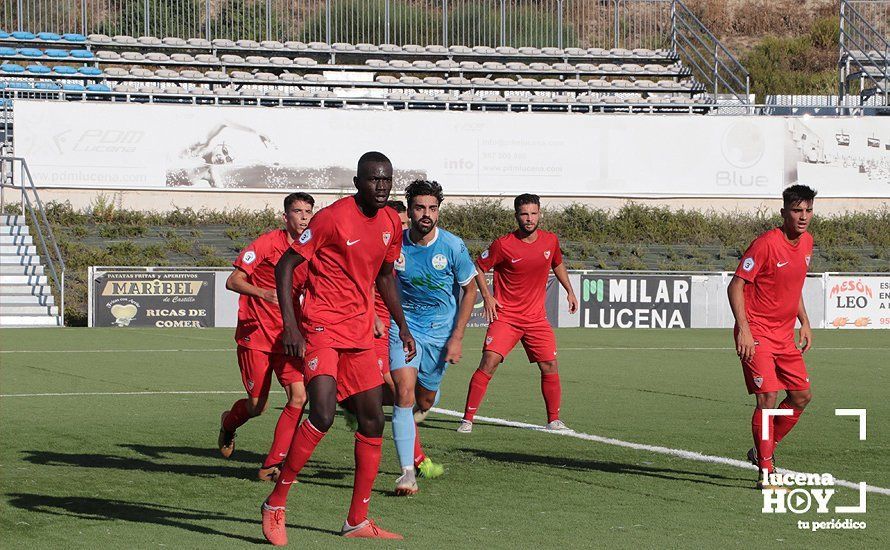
776, 270
259, 322
521, 270
345, 250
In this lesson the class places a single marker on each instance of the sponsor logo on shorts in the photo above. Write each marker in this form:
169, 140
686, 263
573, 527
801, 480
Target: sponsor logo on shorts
250, 384
312, 364
386, 237
808, 261
306, 236
758, 381
440, 262
319, 329
484, 254
249, 257
748, 264
488, 340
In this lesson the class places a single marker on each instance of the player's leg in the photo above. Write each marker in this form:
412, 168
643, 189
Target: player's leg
287, 369
404, 375
425, 400
762, 382
792, 372
540, 347
500, 338
361, 389
256, 375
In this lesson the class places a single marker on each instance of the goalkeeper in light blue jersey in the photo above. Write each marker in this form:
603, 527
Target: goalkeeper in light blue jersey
436, 279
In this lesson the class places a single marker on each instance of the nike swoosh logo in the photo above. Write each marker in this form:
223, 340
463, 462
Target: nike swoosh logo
282, 455
514, 260
366, 500
471, 408
781, 264
283, 482
350, 243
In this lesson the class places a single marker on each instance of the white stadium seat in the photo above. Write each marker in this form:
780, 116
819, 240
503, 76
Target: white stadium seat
437, 48
342, 47
232, 58
271, 45
413, 48
460, 49
149, 40
174, 41
247, 44
484, 50
506, 50
198, 43
182, 58
123, 39
157, 57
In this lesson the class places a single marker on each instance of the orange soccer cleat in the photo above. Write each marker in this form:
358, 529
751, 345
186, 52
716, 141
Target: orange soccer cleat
367, 530
273, 524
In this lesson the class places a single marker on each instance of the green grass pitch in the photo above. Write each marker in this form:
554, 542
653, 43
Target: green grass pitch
142, 471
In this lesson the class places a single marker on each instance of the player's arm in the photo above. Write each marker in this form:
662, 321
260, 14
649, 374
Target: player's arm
489, 302
454, 346
806, 332
294, 343
386, 286
562, 275
744, 342
237, 282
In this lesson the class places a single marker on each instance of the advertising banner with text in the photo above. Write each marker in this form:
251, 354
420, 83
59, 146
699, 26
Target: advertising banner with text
854, 301
635, 301
162, 299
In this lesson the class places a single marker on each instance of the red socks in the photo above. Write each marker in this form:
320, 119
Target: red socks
237, 416
764, 448
284, 434
478, 385
419, 455
367, 462
301, 449
783, 424
552, 391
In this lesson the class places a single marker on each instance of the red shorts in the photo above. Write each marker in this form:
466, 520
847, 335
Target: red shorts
257, 368
381, 350
536, 336
355, 370
776, 365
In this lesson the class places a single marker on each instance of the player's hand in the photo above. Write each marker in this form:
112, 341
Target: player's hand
408, 344
379, 328
294, 343
269, 295
454, 350
491, 308
806, 338
573, 303
744, 345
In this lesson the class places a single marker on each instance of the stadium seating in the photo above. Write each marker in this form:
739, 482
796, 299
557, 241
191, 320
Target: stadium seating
339, 73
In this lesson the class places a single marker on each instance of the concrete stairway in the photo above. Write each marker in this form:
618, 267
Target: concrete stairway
26, 299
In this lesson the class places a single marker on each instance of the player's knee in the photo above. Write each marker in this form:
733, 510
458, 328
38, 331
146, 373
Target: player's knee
801, 399
405, 397
322, 418
426, 402
548, 367
297, 397
371, 424
766, 400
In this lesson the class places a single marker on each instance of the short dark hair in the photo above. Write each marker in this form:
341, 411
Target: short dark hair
796, 194
526, 198
423, 188
298, 196
398, 206
371, 157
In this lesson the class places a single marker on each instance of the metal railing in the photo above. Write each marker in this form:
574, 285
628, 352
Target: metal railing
864, 63
15, 176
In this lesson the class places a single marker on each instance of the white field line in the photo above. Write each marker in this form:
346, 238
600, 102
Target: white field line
680, 453
601, 348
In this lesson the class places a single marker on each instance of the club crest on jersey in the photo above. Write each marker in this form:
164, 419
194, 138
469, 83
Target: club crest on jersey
400, 263
440, 262
313, 363
758, 381
748, 264
250, 256
386, 237
306, 236
808, 261
547, 254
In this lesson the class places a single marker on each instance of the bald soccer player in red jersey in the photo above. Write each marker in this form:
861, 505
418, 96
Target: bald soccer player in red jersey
350, 247
766, 298
522, 261
258, 335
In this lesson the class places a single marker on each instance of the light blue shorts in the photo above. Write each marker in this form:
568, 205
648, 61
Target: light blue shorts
429, 362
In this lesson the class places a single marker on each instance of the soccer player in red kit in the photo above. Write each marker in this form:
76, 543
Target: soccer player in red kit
522, 261
766, 298
258, 335
350, 247
381, 330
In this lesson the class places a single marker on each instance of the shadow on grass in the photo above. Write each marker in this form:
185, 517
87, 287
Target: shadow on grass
582, 465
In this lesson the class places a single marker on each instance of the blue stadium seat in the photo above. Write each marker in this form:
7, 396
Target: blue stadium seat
30, 52
2, 84
73, 87
39, 69
11, 68
90, 71
4, 35
74, 37
50, 36
23, 35
98, 88
82, 54
5, 102
18, 85
64, 69
56, 53
7, 51
47, 86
